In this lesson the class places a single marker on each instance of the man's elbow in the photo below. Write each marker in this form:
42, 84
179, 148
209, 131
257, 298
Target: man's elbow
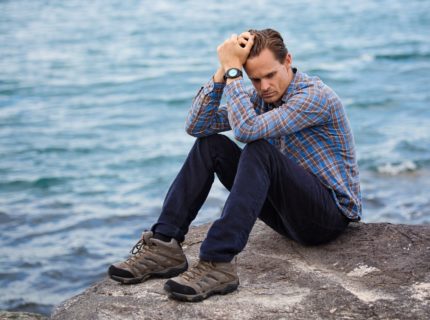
241, 136
194, 133
188, 129
191, 132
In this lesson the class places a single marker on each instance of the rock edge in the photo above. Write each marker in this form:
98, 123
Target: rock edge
372, 271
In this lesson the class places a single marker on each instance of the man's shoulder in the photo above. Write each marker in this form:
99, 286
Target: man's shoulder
305, 80
310, 91
313, 84
304, 84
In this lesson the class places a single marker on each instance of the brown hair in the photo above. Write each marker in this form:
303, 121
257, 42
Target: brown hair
270, 39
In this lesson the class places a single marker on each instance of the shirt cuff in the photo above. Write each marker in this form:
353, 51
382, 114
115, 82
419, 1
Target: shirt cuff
235, 87
214, 88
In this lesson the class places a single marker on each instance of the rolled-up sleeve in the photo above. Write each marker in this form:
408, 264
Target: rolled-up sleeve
206, 116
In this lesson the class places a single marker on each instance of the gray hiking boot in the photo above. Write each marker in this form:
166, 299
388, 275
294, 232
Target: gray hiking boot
203, 280
150, 257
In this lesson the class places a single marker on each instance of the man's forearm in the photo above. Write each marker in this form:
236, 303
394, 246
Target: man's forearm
219, 75
205, 117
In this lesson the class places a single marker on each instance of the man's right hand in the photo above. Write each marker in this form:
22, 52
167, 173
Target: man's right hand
234, 51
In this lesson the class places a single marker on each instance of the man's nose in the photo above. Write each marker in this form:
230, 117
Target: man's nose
264, 85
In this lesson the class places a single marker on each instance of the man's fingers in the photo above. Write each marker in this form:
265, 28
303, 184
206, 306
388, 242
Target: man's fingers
249, 43
235, 49
246, 35
243, 42
246, 40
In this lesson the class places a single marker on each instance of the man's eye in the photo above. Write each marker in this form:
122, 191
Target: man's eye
270, 76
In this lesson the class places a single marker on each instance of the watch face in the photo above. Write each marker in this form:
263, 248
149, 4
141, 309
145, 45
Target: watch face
233, 73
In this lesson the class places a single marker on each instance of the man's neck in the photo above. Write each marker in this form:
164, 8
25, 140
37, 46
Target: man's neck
291, 72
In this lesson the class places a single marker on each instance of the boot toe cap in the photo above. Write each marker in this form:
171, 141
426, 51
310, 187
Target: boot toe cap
115, 271
172, 286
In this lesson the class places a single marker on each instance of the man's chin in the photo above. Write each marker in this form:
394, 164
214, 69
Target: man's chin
271, 99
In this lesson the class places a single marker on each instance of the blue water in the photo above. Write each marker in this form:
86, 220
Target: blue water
93, 97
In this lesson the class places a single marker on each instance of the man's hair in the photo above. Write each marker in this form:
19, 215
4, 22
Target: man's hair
270, 39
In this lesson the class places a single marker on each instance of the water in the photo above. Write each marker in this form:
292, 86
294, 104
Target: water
93, 97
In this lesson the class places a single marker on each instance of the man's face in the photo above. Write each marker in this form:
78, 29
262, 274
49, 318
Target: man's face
269, 77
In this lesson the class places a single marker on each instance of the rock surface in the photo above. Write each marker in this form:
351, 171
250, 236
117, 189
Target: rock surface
7, 315
373, 271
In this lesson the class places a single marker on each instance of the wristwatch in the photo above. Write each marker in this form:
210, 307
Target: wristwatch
233, 73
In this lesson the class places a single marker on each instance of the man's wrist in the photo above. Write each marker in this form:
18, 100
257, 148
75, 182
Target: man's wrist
231, 80
219, 76
233, 73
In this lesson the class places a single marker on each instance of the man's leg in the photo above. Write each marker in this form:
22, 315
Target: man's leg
160, 254
284, 195
209, 155
274, 188
309, 214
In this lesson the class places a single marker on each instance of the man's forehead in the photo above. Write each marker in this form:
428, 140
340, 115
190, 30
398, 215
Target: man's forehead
262, 65
260, 73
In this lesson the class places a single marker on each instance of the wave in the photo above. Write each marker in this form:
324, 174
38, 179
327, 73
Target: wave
41, 183
403, 56
371, 102
417, 146
4, 217
86, 224
397, 168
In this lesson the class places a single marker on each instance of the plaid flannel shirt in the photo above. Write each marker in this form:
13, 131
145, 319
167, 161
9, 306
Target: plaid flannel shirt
309, 126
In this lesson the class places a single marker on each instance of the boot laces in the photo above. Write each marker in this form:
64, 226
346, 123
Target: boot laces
197, 270
140, 247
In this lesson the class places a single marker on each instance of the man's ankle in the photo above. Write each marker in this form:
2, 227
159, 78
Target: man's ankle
162, 237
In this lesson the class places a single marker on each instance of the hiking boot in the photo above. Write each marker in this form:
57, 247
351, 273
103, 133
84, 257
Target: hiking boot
203, 280
150, 257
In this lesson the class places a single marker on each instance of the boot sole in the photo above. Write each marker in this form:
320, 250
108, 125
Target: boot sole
222, 290
169, 273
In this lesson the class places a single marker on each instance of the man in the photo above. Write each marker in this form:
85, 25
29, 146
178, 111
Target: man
297, 172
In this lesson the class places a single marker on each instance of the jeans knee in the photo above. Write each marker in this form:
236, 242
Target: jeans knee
213, 140
257, 146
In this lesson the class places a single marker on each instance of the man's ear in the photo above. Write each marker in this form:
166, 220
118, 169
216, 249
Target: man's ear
288, 60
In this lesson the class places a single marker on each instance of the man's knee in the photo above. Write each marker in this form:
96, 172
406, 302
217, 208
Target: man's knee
213, 139
257, 146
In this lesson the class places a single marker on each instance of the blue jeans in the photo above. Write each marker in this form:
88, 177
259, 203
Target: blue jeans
263, 184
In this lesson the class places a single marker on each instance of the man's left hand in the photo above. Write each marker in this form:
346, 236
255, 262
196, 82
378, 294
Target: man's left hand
233, 52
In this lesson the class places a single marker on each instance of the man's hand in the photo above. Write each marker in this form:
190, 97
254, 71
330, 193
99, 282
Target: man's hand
233, 52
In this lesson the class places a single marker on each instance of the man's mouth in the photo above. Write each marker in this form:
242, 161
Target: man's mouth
267, 95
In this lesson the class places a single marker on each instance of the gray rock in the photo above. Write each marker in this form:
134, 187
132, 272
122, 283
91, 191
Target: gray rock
7, 315
373, 271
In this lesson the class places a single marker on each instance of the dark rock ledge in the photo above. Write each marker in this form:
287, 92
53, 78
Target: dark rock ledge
373, 271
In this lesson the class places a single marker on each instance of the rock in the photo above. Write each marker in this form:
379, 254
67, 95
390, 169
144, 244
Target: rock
372, 271
7, 315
